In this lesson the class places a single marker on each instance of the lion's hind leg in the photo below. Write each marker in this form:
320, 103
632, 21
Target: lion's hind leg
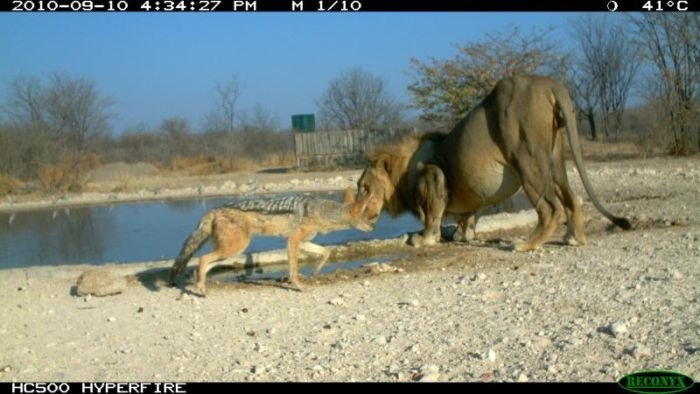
229, 238
575, 234
539, 188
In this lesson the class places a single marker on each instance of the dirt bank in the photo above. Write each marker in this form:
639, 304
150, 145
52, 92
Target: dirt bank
626, 301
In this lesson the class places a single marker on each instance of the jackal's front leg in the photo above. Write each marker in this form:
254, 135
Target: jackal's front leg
319, 250
295, 240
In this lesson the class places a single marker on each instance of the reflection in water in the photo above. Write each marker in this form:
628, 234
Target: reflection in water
137, 232
51, 236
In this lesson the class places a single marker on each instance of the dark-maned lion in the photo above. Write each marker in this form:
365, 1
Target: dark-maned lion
513, 138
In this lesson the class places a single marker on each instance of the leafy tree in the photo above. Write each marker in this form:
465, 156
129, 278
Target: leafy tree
445, 90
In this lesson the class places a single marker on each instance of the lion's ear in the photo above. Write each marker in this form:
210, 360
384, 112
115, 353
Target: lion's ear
386, 164
382, 163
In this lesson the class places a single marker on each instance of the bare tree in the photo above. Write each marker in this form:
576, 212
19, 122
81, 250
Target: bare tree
260, 119
76, 109
260, 134
671, 43
223, 116
177, 133
584, 94
445, 90
60, 119
25, 101
358, 100
609, 61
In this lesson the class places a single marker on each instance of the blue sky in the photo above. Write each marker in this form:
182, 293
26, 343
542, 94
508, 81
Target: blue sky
161, 65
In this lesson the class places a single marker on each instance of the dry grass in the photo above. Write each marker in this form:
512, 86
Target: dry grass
68, 175
10, 185
208, 165
278, 160
609, 151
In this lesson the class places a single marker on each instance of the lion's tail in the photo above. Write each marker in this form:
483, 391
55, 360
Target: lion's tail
191, 245
565, 105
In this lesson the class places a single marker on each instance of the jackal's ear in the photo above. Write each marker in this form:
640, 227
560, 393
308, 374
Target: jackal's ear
348, 195
420, 166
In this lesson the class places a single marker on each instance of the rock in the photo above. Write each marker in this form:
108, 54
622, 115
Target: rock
639, 351
379, 268
431, 377
478, 277
522, 377
617, 329
430, 372
490, 355
100, 282
380, 340
336, 301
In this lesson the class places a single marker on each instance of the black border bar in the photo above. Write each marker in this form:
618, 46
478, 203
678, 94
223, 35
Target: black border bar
203, 388
320, 387
199, 6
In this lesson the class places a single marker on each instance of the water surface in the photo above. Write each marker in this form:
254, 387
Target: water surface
137, 232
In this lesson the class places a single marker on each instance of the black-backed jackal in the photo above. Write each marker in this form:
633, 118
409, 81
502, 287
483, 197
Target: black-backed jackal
298, 218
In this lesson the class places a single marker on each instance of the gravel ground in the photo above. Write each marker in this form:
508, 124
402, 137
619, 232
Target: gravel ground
624, 302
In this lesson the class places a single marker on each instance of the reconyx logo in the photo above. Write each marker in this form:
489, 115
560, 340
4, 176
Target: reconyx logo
648, 382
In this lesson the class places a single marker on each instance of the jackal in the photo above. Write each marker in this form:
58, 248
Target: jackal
299, 218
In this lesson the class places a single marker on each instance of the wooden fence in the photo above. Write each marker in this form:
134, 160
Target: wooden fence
347, 148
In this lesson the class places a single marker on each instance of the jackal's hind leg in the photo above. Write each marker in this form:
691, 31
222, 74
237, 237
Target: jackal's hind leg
228, 239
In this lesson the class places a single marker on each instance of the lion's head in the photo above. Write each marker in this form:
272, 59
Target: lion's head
371, 189
391, 173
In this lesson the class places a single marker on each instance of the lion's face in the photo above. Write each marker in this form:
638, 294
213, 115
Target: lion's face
371, 190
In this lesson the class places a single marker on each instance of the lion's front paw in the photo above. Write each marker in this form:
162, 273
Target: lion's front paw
416, 240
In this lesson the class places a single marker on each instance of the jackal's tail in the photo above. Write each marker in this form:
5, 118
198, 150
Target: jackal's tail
195, 241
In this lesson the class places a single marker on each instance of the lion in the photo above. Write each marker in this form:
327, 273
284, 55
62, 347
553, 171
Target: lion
431, 198
513, 138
